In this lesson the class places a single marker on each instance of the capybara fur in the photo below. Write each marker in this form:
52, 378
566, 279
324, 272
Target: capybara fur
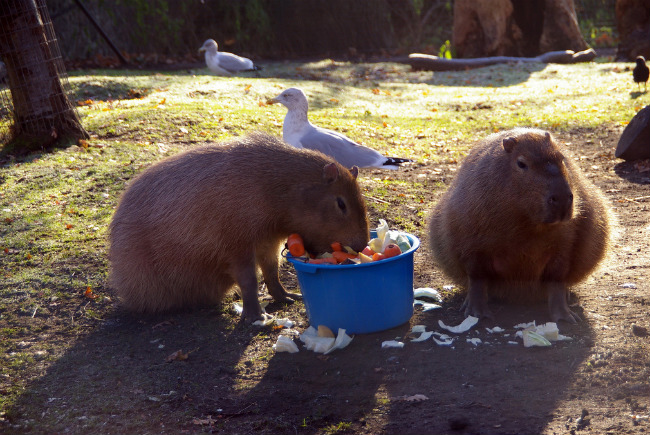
192, 226
519, 221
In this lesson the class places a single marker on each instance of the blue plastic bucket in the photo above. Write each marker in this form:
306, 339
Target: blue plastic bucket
359, 298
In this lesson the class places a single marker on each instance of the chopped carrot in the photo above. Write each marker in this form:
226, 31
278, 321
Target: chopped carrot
337, 247
326, 260
367, 251
378, 256
342, 256
392, 250
296, 245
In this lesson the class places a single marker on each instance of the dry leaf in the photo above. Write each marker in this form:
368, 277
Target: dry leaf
178, 356
203, 421
89, 293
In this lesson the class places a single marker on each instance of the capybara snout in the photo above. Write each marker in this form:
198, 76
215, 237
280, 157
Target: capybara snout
560, 204
191, 226
519, 220
337, 214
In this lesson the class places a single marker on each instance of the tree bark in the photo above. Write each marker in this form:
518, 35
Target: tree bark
522, 28
43, 115
633, 24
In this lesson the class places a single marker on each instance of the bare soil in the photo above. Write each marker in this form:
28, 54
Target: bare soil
113, 376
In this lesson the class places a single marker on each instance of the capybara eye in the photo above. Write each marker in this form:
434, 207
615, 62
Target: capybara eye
341, 204
522, 164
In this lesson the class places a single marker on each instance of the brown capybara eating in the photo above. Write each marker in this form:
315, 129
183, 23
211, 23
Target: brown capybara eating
191, 226
519, 221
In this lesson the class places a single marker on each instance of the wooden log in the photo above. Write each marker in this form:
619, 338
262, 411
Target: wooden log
634, 143
419, 61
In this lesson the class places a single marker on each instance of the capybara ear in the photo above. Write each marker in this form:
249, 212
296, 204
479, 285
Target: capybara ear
547, 136
330, 173
509, 144
354, 171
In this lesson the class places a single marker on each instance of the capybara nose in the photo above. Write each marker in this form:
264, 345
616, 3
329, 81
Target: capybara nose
561, 205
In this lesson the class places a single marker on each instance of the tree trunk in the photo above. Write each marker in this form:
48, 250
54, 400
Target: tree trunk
43, 115
521, 28
633, 24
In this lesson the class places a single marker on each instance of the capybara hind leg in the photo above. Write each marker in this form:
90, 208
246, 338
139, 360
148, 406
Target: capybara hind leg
476, 301
246, 277
558, 303
268, 262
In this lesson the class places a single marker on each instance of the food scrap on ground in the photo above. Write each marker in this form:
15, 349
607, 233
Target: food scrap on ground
463, 327
392, 343
426, 292
285, 344
539, 335
321, 341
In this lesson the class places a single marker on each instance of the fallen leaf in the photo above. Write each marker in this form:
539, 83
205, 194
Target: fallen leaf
203, 421
89, 293
178, 356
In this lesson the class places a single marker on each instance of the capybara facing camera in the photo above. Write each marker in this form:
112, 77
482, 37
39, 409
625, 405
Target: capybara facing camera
190, 227
519, 221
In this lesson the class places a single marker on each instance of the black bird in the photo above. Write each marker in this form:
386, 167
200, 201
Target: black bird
641, 73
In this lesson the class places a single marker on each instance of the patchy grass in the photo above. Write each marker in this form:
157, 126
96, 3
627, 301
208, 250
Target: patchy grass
55, 208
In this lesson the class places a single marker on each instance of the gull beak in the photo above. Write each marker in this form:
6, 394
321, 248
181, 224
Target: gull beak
202, 49
272, 101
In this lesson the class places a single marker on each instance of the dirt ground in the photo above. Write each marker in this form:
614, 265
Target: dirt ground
117, 379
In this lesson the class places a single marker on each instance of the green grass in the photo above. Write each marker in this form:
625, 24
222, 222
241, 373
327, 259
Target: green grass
55, 207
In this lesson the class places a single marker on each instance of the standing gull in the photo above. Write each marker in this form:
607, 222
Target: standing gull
297, 131
224, 63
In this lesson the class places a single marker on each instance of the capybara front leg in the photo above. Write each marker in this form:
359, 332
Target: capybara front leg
476, 301
246, 278
269, 264
558, 304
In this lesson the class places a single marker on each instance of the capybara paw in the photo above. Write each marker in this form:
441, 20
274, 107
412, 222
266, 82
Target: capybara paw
480, 310
250, 316
564, 313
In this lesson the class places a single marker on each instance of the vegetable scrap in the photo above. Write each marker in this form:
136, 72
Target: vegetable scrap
539, 335
392, 343
426, 292
387, 244
285, 344
322, 340
463, 327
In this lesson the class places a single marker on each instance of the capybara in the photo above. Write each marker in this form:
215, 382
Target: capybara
519, 221
193, 225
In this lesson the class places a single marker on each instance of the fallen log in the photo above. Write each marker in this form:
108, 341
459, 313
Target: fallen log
426, 62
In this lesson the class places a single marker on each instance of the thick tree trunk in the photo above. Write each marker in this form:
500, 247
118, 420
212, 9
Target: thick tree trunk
522, 28
43, 115
633, 24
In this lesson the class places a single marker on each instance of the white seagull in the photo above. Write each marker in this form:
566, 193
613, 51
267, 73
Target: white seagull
224, 63
297, 131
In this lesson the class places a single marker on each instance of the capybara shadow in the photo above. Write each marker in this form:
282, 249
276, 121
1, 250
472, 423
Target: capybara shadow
191, 227
519, 222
